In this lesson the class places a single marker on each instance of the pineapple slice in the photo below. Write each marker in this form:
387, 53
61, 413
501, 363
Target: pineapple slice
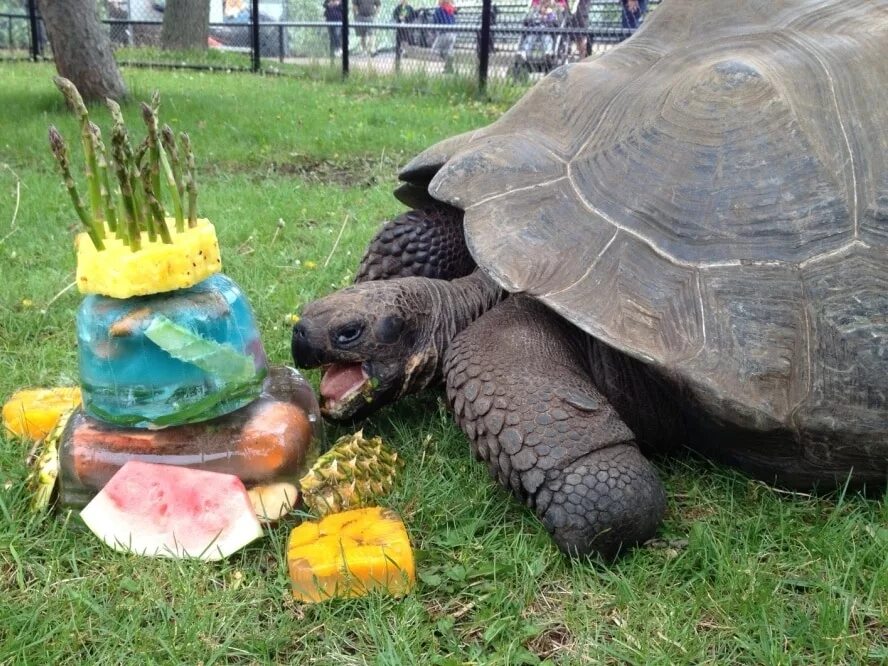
349, 554
352, 474
33, 413
157, 267
43, 460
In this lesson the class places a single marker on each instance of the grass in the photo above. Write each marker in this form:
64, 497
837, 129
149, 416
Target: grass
743, 574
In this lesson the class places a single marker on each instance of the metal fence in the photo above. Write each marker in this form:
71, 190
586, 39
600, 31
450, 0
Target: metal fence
511, 41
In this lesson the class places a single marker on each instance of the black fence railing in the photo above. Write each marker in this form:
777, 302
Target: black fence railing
510, 41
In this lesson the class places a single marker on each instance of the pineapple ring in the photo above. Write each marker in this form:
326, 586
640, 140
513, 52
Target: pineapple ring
157, 267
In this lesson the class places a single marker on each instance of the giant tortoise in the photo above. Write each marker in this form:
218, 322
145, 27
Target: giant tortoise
682, 243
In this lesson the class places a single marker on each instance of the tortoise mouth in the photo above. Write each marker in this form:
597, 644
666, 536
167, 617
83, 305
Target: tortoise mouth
345, 388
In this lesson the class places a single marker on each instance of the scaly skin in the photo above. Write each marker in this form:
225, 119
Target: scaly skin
420, 243
521, 394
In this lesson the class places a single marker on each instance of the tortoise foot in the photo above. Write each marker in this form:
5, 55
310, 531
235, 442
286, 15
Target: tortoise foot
516, 383
602, 503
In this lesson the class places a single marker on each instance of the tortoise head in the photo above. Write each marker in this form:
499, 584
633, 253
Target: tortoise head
373, 343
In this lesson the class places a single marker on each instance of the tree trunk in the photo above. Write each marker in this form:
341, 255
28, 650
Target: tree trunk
186, 25
81, 48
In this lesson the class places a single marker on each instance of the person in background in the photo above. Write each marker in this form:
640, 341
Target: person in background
333, 14
580, 19
633, 12
445, 14
543, 14
231, 9
494, 14
365, 11
404, 13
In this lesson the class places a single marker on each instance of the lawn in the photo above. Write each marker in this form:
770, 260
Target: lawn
742, 574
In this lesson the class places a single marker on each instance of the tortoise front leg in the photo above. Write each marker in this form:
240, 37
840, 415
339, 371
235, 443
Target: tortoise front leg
426, 242
517, 385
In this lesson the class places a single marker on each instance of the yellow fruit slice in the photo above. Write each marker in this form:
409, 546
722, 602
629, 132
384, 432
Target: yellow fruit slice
44, 463
272, 501
349, 554
157, 267
33, 413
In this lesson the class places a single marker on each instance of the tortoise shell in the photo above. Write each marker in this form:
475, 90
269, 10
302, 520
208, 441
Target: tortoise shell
710, 197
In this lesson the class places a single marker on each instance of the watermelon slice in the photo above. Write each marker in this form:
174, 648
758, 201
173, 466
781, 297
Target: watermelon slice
168, 511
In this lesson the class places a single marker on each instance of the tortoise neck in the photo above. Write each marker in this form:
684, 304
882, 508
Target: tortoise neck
453, 305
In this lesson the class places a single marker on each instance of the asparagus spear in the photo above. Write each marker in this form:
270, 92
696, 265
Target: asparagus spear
104, 182
169, 144
140, 152
160, 162
190, 181
174, 173
155, 208
118, 138
116, 115
60, 150
153, 147
144, 213
69, 90
150, 180
123, 155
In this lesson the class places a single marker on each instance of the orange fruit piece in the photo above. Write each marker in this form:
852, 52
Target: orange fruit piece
33, 413
349, 554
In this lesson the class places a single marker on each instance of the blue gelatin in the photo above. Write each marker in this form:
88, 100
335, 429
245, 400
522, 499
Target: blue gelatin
127, 379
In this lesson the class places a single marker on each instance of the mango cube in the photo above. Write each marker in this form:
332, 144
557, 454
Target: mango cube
349, 554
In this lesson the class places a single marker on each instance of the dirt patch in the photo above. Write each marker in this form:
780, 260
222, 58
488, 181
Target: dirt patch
553, 642
351, 173
355, 171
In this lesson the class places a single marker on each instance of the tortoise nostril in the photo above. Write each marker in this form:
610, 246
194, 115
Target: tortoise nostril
304, 355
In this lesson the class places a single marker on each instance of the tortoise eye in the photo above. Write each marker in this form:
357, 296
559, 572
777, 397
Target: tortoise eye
348, 333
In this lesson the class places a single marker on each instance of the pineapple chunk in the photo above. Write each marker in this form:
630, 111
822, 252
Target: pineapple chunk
349, 554
33, 413
157, 267
354, 473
